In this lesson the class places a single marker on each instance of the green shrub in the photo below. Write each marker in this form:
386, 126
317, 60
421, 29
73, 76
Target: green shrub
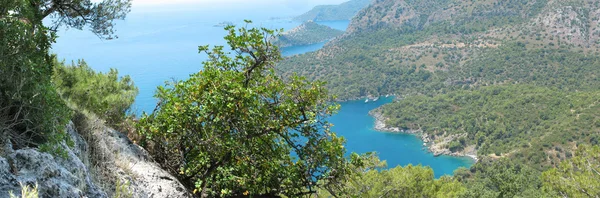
104, 94
31, 111
576, 177
237, 129
373, 180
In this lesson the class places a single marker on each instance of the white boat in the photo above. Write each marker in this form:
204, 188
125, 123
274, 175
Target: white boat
387, 95
375, 99
367, 100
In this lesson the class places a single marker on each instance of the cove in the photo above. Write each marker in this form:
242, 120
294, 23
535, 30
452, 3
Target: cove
357, 126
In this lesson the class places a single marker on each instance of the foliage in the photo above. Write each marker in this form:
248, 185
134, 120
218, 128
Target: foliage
513, 119
26, 192
306, 34
408, 181
344, 11
98, 16
503, 178
107, 95
236, 128
576, 177
32, 113
370, 180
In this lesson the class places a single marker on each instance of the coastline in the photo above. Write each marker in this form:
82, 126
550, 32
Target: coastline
370, 97
435, 147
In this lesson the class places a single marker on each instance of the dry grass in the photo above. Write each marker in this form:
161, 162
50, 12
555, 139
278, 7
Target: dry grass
111, 171
100, 163
26, 192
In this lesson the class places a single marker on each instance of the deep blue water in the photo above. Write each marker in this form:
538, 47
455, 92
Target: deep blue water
159, 45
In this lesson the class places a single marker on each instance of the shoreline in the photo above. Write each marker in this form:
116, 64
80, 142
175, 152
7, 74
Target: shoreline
436, 148
370, 97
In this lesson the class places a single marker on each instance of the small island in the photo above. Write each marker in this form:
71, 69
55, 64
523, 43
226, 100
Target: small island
306, 34
224, 24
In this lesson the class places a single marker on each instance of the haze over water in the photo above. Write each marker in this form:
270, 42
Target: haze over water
157, 45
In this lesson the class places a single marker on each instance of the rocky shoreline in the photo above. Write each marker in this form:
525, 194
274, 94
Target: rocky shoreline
435, 147
370, 97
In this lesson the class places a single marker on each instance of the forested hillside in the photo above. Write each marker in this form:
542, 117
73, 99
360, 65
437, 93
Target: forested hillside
306, 34
390, 52
510, 79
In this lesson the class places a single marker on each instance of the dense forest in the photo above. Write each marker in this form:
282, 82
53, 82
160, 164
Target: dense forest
515, 121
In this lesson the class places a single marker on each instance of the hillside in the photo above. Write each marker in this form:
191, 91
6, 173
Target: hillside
306, 34
344, 11
436, 55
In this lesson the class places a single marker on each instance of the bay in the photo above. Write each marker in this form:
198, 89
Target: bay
398, 149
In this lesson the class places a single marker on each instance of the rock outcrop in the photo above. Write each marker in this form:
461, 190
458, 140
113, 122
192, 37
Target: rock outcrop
124, 164
55, 176
103, 162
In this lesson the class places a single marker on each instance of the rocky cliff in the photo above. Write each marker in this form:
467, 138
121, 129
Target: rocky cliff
102, 163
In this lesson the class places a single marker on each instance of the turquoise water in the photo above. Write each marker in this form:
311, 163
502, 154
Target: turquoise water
301, 49
160, 45
357, 126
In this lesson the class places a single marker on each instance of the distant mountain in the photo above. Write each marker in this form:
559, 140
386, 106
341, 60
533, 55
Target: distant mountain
344, 11
306, 34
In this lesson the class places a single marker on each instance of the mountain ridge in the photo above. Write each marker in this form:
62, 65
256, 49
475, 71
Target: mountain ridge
343, 11
305, 34
432, 49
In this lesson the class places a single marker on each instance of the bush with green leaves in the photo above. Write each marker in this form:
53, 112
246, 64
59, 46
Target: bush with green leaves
370, 179
236, 128
31, 111
503, 178
578, 176
105, 94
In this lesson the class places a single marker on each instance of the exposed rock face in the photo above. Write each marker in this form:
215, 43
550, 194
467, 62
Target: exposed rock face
55, 176
121, 163
91, 170
8, 182
380, 122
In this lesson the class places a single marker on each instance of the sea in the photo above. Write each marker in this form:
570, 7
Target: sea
159, 44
